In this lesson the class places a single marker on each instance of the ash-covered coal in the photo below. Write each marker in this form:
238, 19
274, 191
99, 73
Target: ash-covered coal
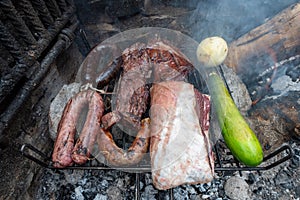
275, 115
281, 181
277, 80
277, 183
112, 184
119, 185
80, 185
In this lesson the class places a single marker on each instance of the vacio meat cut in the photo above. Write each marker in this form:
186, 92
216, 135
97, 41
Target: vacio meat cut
180, 149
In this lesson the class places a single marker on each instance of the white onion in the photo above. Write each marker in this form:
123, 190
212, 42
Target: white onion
212, 51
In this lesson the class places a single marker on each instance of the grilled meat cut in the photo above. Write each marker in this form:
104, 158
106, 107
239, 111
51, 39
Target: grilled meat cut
141, 64
180, 148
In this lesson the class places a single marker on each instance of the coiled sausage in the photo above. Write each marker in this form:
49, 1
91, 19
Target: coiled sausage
64, 152
116, 156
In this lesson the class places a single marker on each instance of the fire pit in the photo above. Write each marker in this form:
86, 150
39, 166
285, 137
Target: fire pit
270, 74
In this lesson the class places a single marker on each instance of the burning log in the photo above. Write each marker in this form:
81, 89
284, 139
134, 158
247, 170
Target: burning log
277, 39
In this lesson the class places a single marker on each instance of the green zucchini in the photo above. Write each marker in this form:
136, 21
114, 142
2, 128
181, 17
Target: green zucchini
237, 134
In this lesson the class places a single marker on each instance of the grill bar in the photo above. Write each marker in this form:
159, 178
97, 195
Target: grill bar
43, 12
17, 22
11, 44
53, 8
9, 81
62, 5
137, 186
26, 31
285, 151
6, 56
42, 69
32, 19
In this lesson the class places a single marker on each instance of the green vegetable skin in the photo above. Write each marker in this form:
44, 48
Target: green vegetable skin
238, 136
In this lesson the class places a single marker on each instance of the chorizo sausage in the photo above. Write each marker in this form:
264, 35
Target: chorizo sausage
88, 135
95, 60
64, 142
65, 139
109, 73
116, 156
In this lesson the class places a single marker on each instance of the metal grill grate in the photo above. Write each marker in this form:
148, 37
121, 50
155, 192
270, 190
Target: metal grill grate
224, 162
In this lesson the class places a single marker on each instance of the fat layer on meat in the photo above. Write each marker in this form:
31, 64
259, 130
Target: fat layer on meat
180, 149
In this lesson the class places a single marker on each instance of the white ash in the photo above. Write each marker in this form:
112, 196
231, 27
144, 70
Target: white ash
149, 192
78, 193
283, 78
100, 197
283, 85
236, 188
278, 64
114, 193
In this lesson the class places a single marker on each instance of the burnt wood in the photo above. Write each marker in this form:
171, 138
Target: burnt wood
275, 40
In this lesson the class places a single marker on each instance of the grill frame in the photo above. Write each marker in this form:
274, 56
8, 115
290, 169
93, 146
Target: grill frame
285, 151
45, 161
32, 35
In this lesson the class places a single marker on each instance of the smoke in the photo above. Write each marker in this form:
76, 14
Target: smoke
231, 19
